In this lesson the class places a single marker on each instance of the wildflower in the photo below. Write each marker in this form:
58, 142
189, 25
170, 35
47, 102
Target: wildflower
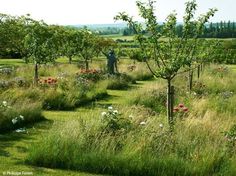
115, 112
104, 114
4, 103
110, 108
21, 130
21, 117
161, 125
14, 121
181, 105
176, 109
185, 109
131, 116
142, 123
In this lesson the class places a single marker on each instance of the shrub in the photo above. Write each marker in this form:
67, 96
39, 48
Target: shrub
113, 122
92, 75
10, 115
119, 82
154, 99
55, 100
140, 73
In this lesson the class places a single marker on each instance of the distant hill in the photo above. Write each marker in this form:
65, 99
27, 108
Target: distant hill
101, 26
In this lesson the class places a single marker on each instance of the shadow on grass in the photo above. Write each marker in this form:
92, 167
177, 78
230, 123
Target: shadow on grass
9, 139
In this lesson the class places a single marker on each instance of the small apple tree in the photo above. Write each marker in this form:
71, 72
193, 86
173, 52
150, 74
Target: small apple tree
87, 46
71, 43
41, 44
165, 53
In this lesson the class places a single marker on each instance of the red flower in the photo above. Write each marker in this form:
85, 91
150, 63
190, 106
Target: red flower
181, 105
45, 81
49, 78
185, 109
82, 71
176, 109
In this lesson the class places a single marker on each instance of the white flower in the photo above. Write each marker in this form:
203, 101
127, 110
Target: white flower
161, 125
21, 117
4, 103
131, 116
104, 114
143, 123
21, 130
115, 112
194, 93
14, 121
110, 108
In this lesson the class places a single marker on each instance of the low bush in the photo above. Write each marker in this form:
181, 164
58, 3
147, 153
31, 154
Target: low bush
141, 74
154, 99
55, 100
13, 116
119, 81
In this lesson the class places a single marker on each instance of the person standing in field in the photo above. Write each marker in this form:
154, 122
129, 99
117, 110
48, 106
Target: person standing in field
111, 61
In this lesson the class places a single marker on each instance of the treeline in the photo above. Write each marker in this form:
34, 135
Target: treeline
24, 37
221, 29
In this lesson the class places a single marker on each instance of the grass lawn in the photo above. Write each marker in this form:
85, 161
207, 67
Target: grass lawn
14, 146
16, 62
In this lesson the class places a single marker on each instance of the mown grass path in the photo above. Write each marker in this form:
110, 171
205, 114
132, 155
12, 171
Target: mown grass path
14, 146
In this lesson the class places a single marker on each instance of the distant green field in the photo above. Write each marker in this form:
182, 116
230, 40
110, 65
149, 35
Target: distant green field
11, 62
119, 36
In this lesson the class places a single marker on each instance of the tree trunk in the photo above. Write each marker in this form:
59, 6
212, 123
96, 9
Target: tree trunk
70, 59
36, 74
201, 67
190, 82
172, 88
86, 64
198, 71
170, 103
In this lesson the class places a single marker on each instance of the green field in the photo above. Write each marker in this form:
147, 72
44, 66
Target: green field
202, 126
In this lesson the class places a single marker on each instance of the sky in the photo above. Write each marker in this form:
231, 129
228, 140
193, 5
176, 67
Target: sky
71, 12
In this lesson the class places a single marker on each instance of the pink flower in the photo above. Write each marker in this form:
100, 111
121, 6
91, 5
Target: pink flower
185, 109
181, 105
176, 109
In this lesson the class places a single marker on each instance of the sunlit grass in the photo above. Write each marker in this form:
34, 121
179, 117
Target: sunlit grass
197, 147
